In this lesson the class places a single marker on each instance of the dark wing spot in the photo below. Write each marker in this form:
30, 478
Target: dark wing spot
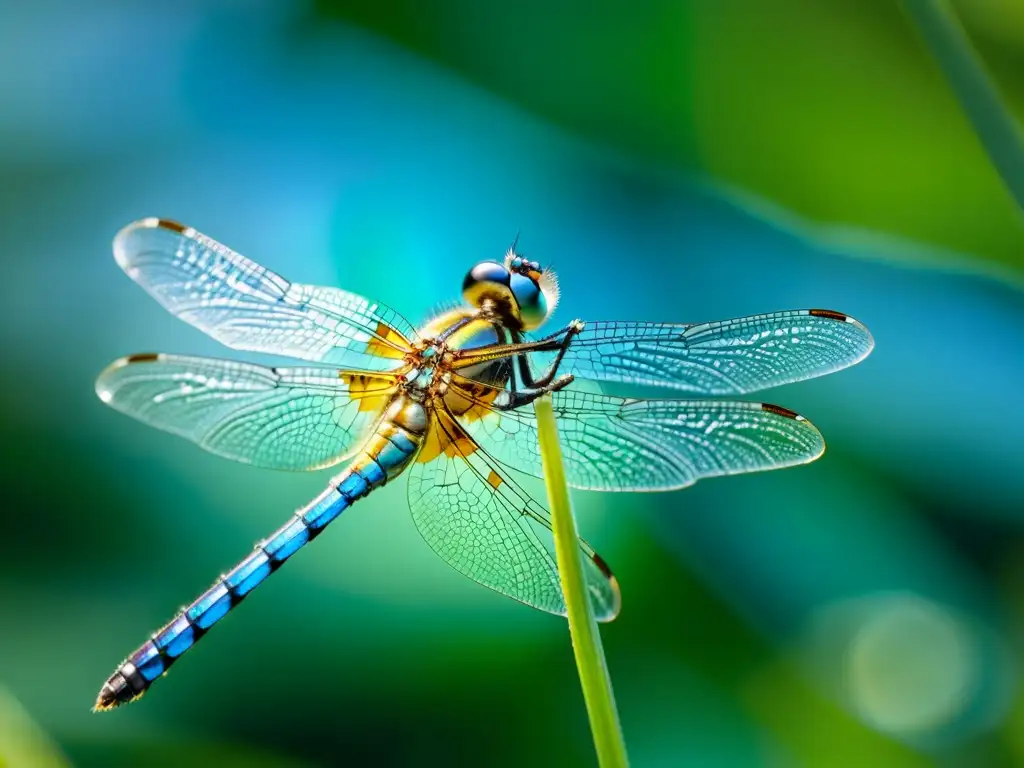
171, 225
780, 411
602, 566
145, 357
613, 583
829, 313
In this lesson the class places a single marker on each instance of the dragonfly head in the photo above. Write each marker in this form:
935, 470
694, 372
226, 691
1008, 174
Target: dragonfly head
521, 290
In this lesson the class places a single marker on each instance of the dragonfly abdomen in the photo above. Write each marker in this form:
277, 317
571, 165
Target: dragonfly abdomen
385, 454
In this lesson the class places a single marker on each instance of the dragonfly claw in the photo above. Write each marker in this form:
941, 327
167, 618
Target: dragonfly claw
562, 382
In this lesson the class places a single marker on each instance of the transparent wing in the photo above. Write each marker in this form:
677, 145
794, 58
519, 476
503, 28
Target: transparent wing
489, 529
728, 357
619, 444
245, 306
281, 418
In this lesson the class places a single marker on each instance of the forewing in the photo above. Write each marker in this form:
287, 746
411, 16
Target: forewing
248, 307
728, 357
620, 444
281, 418
489, 529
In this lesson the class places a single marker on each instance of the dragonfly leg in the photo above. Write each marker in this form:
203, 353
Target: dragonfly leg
570, 332
558, 336
464, 358
520, 397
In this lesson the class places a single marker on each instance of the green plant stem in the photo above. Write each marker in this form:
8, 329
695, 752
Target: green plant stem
586, 640
978, 97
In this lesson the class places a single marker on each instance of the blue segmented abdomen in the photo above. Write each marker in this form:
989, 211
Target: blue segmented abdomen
386, 454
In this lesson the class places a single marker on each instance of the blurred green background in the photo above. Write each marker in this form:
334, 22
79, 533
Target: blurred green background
674, 161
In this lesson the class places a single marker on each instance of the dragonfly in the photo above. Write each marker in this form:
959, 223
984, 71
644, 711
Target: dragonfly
447, 404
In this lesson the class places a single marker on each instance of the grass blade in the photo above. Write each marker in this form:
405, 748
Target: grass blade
586, 640
978, 97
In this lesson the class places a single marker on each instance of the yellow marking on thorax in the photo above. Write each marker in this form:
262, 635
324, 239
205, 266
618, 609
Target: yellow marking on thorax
445, 435
438, 325
458, 404
462, 336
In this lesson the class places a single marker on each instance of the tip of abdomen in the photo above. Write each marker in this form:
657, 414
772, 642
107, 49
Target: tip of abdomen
122, 687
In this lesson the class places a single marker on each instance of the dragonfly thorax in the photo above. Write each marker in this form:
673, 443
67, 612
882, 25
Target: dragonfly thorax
423, 377
428, 373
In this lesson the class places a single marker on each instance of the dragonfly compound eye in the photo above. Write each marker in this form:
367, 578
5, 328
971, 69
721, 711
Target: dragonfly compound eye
531, 300
488, 280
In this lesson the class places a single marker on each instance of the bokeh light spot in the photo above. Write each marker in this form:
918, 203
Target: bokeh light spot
911, 666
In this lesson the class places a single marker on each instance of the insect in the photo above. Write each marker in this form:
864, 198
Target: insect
444, 404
